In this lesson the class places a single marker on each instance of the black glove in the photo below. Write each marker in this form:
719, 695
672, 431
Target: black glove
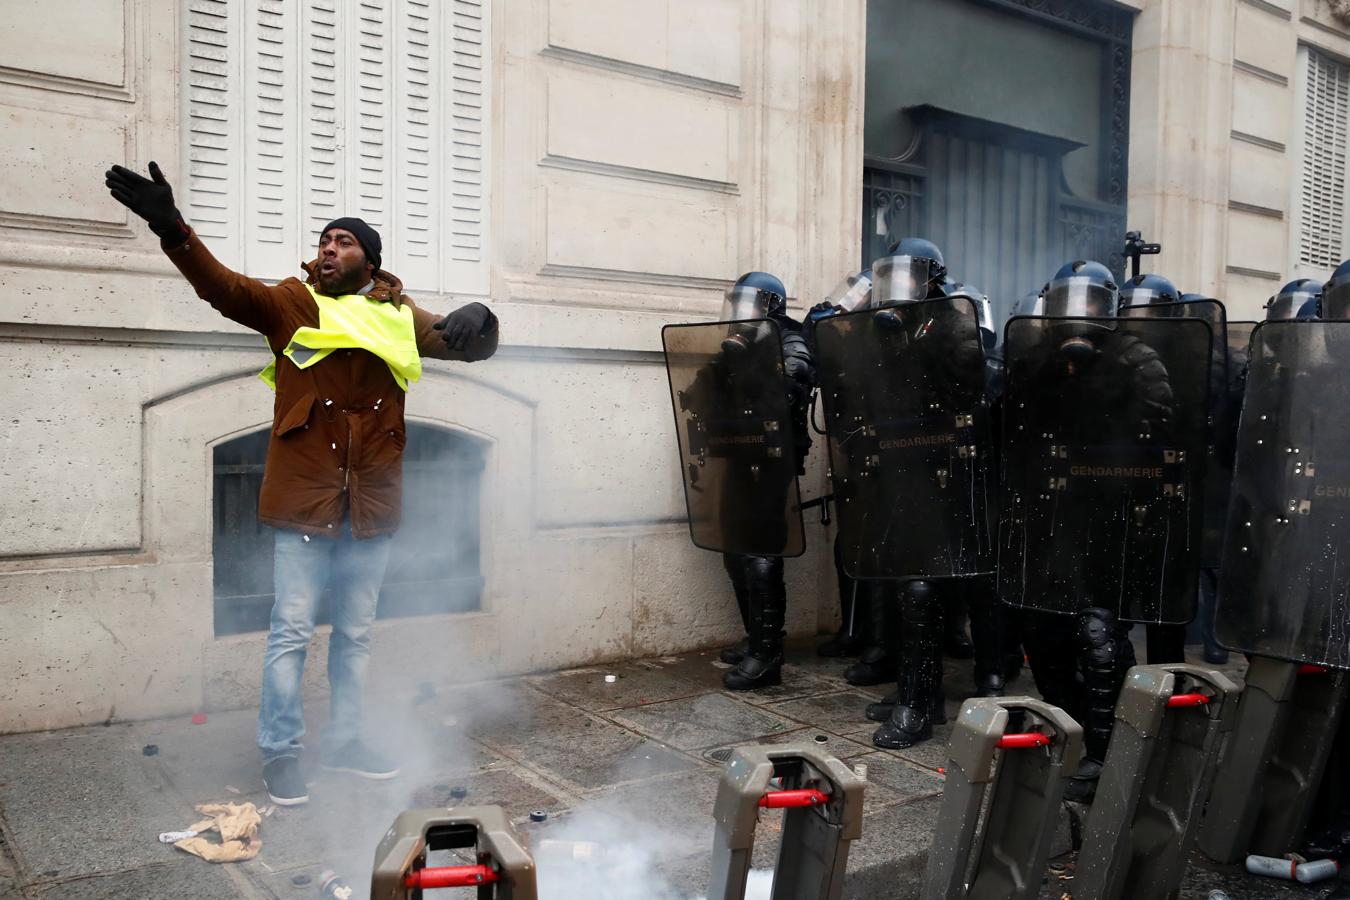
463, 325
150, 198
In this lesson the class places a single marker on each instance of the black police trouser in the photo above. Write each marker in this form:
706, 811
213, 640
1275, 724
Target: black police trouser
761, 597
920, 644
990, 625
1079, 664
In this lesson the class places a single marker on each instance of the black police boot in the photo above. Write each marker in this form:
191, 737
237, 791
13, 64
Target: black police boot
735, 565
920, 688
882, 709
763, 666
1106, 655
990, 684
905, 728
877, 663
733, 655
875, 666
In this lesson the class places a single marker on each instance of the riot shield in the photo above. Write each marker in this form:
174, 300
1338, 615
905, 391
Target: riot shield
1103, 452
909, 441
1222, 424
736, 439
1284, 591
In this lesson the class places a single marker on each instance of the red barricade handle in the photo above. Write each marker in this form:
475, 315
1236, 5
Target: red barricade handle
1186, 700
1310, 669
787, 799
449, 876
1023, 741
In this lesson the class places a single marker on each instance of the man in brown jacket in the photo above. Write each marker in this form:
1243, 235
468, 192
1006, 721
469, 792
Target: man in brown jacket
346, 342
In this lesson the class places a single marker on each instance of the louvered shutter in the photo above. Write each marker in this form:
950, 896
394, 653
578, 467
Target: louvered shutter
417, 169
212, 124
370, 115
468, 80
271, 233
300, 112
322, 184
1322, 184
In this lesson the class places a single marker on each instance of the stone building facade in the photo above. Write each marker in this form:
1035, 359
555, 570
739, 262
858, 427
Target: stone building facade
593, 170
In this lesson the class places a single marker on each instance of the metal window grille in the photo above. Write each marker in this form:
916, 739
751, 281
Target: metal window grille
1326, 104
435, 560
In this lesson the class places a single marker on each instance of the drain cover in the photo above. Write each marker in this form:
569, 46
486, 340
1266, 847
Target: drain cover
720, 755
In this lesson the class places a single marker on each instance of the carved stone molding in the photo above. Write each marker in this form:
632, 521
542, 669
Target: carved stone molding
1341, 10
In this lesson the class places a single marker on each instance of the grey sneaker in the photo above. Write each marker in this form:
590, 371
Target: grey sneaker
360, 759
285, 784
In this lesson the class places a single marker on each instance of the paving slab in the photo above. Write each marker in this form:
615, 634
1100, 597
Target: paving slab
84, 802
908, 781
580, 751
635, 684
697, 723
842, 712
193, 878
840, 747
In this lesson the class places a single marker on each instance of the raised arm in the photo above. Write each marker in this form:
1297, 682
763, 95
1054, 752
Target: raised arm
245, 300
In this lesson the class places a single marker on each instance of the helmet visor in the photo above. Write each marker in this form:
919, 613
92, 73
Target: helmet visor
1336, 302
1078, 296
742, 302
1143, 295
1286, 305
854, 292
899, 279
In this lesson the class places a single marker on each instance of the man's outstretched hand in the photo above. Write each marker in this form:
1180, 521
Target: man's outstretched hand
150, 198
462, 325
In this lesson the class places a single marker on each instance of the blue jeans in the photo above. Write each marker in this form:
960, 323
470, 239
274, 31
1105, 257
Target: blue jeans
304, 567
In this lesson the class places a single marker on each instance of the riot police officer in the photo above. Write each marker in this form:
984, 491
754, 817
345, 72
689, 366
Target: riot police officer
1165, 643
1101, 381
912, 269
914, 272
757, 581
855, 618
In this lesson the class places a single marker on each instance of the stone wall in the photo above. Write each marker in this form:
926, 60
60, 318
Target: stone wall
645, 153
1215, 115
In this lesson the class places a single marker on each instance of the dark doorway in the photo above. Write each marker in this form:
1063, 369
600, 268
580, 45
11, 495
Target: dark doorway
998, 130
435, 561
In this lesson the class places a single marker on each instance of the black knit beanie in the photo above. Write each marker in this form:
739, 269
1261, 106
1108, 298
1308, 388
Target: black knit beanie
367, 237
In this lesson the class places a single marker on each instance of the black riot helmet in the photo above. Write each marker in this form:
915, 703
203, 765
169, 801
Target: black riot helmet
1081, 288
755, 297
1292, 297
913, 270
1334, 298
1146, 290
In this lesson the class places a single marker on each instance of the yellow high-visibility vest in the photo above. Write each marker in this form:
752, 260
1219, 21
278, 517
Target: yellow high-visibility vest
355, 321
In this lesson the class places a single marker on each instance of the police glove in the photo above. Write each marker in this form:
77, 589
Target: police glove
150, 198
463, 325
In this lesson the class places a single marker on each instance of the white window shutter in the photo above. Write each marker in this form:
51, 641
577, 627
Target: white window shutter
212, 121
1321, 200
271, 231
466, 196
322, 106
370, 115
300, 111
417, 169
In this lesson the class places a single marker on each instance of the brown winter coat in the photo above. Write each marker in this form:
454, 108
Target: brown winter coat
337, 427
